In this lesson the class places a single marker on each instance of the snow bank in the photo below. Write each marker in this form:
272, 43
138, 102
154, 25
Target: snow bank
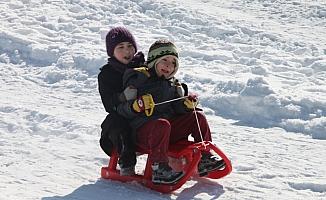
260, 77
258, 67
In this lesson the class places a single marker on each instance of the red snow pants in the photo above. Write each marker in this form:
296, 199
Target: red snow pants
156, 135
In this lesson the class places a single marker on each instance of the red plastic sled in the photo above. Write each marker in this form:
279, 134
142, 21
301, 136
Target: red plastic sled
189, 153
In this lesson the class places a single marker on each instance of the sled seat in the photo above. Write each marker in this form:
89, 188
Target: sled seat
186, 152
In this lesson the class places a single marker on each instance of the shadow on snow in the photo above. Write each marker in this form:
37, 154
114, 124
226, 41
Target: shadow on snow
106, 189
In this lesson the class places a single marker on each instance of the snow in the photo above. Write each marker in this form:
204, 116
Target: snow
259, 67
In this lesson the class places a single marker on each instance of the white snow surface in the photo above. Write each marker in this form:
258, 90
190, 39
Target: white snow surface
259, 68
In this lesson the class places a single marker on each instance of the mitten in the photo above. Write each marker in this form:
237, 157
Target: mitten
144, 103
128, 94
191, 101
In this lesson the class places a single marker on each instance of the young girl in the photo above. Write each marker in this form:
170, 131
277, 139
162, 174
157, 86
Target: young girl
116, 132
158, 126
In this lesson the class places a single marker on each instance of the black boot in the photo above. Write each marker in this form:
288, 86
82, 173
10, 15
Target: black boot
127, 160
208, 163
164, 174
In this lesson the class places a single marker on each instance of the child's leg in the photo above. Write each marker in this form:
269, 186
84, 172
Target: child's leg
128, 150
154, 136
118, 134
106, 144
108, 141
184, 125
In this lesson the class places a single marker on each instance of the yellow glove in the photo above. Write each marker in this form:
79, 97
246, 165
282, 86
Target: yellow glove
145, 104
191, 101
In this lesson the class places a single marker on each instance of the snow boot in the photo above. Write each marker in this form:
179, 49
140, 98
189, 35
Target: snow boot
127, 171
208, 163
162, 173
127, 162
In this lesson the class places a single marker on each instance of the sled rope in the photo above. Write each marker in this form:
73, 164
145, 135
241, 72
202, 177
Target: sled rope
197, 121
171, 100
200, 133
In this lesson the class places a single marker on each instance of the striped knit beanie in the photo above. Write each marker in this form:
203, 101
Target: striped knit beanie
161, 49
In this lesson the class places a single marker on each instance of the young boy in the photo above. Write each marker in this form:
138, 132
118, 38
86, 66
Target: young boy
116, 132
168, 123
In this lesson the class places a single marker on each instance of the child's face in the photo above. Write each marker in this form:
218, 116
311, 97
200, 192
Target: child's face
124, 52
165, 67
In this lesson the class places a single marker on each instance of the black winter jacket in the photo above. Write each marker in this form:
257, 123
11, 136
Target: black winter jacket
110, 87
110, 80
147, 82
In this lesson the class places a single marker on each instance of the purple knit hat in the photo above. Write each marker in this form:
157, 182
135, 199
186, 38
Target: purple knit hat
117, 35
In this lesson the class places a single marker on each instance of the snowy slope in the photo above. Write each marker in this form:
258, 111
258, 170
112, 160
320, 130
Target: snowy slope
259, 67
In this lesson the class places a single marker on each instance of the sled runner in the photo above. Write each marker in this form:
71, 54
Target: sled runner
184, 155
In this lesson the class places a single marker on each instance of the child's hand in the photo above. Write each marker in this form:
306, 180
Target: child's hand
145, 104
191, 101
193, 97
128, 94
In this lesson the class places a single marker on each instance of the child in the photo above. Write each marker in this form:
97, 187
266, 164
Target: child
167, 123
116, 132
